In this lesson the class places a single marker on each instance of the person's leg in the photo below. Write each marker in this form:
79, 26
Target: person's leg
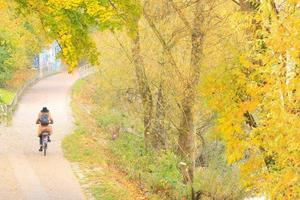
50, 132
39, 130
41, 143
41, 140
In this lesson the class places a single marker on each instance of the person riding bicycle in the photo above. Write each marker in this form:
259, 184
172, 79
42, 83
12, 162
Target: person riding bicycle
44, 120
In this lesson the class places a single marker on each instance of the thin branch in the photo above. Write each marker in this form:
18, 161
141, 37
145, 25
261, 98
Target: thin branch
161, 39
237, 3
181, 15
123, 48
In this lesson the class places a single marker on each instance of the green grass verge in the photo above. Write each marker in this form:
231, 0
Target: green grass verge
6, 96
158, 172
79, 148
82, 148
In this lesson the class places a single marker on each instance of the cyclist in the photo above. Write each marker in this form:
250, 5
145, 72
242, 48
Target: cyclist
44, 121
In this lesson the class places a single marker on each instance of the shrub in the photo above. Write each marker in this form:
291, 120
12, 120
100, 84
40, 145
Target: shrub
6, 60
217, 179
158, 171
6, 97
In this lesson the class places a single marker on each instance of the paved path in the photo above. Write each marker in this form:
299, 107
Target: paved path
24, 172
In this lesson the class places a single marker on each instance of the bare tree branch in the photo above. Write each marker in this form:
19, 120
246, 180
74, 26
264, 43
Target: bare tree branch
161, 40
237, 3
181, 15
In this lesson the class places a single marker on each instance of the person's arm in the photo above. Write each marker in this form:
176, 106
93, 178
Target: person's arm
38, 119
51, 119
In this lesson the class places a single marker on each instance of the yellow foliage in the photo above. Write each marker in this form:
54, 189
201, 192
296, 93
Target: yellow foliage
251, 79
264, 80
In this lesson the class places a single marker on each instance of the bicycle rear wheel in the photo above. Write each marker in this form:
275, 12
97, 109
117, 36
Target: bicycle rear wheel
45, 148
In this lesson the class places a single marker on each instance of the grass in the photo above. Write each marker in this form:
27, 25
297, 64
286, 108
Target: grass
113, 168
80, 148
158, 171
108, 190
10, 88
6, 96
19, 78
86, 147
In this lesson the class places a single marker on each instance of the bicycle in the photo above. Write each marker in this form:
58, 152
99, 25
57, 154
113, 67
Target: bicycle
45, 137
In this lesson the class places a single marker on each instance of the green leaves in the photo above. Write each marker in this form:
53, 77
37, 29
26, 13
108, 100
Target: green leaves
6, 59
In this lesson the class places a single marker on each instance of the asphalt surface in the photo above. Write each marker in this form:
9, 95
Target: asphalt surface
24, 172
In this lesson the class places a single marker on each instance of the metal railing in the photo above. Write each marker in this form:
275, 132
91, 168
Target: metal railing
86, 70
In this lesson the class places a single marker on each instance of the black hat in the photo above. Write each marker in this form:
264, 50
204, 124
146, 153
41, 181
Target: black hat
45, 109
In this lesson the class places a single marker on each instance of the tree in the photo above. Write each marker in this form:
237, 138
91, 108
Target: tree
16, 36
247, 66
70, 23
262, 80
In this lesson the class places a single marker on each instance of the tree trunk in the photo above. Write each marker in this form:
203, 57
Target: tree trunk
144, 90
186, 135
159, 129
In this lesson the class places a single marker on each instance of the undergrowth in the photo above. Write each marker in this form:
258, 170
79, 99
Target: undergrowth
6, 96
18, 79
106, 161
86, 150
157, 173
